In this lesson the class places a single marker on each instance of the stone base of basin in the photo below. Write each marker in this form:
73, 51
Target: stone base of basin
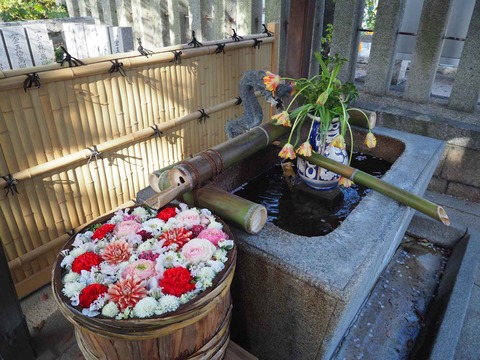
295, 297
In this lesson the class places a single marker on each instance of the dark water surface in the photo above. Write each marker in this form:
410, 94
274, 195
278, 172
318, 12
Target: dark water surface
306, 214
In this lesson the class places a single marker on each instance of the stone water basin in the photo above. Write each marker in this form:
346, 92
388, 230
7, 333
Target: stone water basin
295, 296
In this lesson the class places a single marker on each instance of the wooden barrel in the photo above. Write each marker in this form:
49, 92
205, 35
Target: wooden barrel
198, 329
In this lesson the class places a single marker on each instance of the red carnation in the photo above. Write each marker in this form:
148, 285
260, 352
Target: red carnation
86, 261
91, 293
176, 281
102, 231
167, 213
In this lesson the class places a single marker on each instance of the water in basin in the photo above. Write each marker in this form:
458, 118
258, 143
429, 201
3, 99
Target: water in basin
303, 214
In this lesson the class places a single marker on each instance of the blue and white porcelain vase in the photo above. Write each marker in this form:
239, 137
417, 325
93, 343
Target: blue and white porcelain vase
313, 175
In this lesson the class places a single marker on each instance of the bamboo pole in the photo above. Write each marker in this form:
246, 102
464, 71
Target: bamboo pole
110, 145
402, 196
15, 79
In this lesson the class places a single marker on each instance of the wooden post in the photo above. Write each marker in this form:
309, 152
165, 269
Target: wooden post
299, 38
14, 335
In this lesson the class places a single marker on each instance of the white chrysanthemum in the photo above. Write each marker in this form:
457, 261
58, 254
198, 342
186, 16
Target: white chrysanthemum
133, 239
145, 307
147, 245
215, 225
156, 293
169, 259
206, 273
100, 244
71, 277
172, 223
226, 244
77, 252
167, 303
216, 265
72, 289
110, 310
82, 238
187, 297
220, 255
141, 213
153, 225
67, 261
108, 269
116, 219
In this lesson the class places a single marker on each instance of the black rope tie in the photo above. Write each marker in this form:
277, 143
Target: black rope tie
194, 42
177, 57
266, 31
117, 67
95, 154
32, 79
236, 37
256, 43
203, 116
220, 49
156, 131
11, 184
69, 59
142, 50
239, 100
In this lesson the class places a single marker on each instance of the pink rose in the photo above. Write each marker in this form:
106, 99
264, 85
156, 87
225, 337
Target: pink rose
142, 269
189, 218
125, 228
198, 250
213, 235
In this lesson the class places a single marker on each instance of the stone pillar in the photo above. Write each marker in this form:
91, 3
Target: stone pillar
433, 24
466, 88
279, 11
317, 31
249, 17
213, 19
346, 22
382, 55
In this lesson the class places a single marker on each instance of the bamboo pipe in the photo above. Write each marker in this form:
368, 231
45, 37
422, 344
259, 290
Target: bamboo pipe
39, 251
402, 196
60, 74
110, 145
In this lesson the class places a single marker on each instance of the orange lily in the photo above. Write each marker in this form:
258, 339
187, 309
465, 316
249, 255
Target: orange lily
370, 140
282, 118
339, 142
271, 81
345, 182
287, 152
305, 149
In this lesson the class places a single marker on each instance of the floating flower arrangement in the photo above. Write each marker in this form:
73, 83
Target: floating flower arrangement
144, 262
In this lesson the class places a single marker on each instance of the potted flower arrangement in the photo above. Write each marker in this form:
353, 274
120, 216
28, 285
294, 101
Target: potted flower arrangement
323, 100
142, 270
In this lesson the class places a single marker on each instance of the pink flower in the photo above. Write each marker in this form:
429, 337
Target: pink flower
116, 252
127, 292
287, 152
283, 119
125, 228
196, 229
198, 250
189, 218
142, 269
305, 149
213, 235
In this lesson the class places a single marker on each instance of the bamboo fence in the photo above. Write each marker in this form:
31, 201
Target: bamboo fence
49, 137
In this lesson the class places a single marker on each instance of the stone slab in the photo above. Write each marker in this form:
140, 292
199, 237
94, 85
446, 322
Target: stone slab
17, 47
40, 45
461, 165
343, 265
4, 63
463, 191
101, 45
121, 39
